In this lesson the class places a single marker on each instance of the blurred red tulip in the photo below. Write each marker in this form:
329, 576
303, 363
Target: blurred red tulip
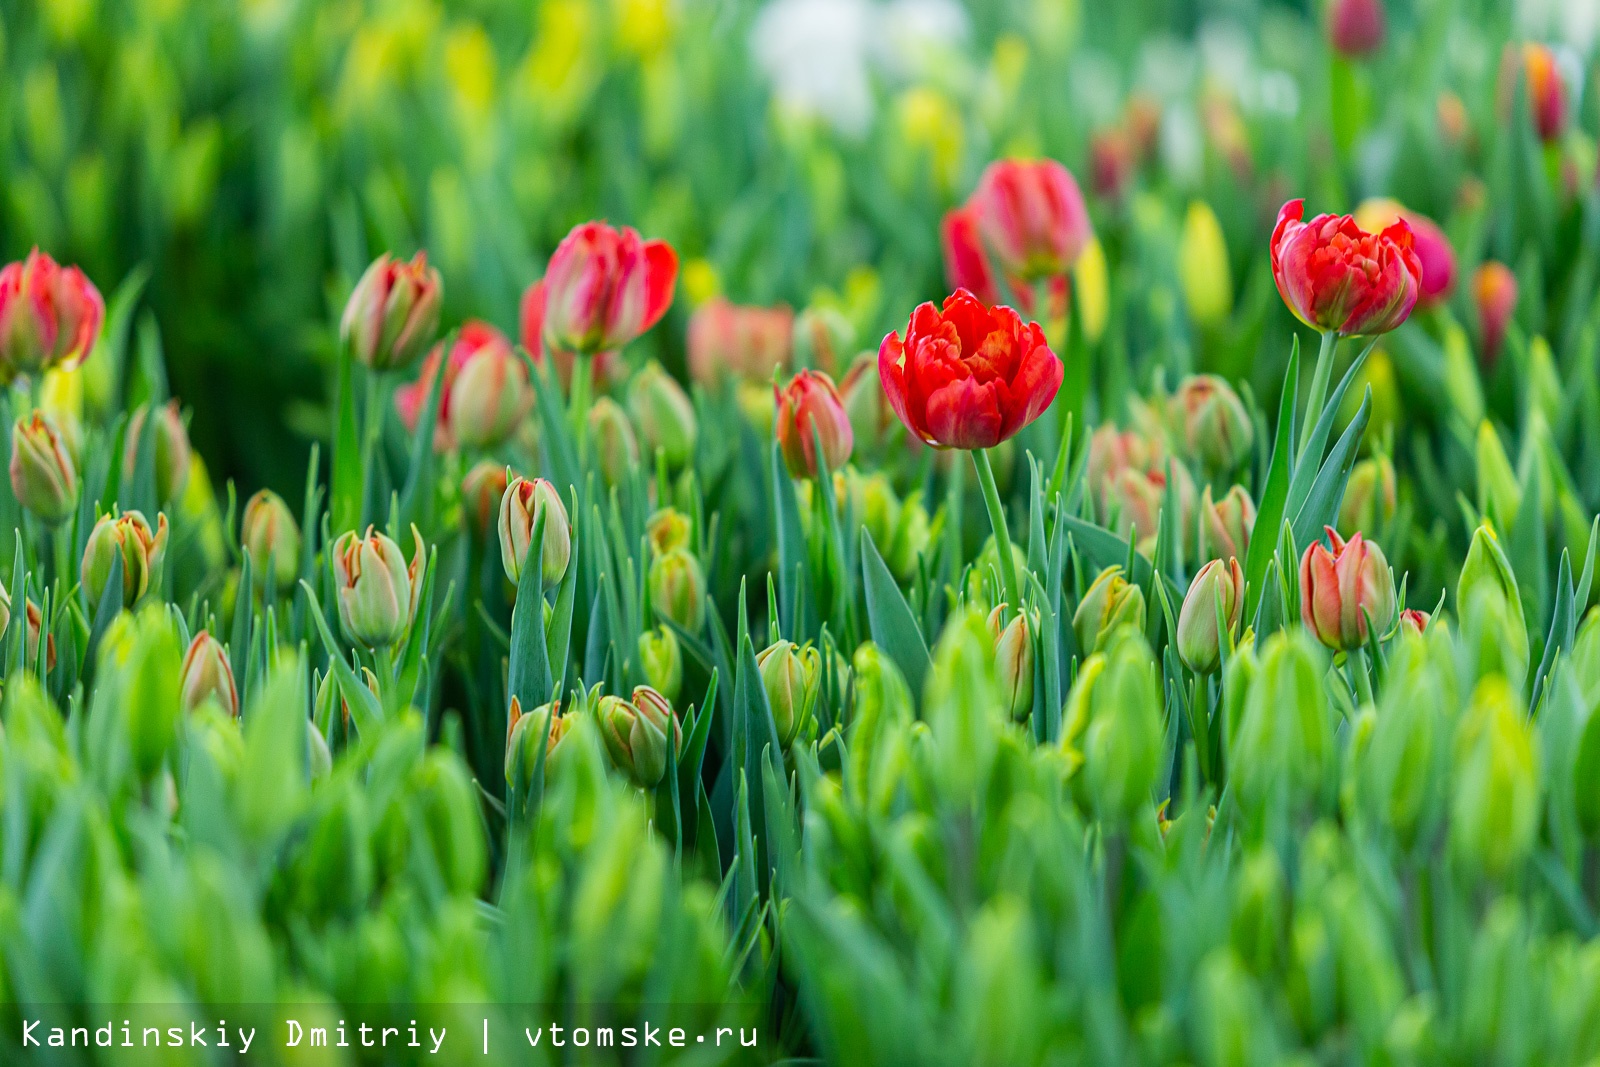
409, 400
967, 375
1336, 276
49, 316
1494, 291
1355, 27
1546, 89
733, 340
809, 410
1432, 246
1031, 216
604, 287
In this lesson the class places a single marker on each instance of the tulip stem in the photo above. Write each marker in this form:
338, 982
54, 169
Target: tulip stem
582, 369
1358, 669
1002, 538
1319, 389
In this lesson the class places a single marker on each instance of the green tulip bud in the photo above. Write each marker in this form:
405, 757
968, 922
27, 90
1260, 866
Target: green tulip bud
1499, 489
207, 675
44, 478
1229, 1011
1112, 727
1013, 661
520, 509
791, 675
171, 449
1225, 526
877, 730
616, 448
271, 535
663, 414
1260, 911
667, 530
1399, 777
1369, 497
139, 668
912, 534
1490, 607
377, 589
661, 659
984, 575
1494, 805
1218, 590
1279, 748
962, 704
677, 589
1110, 603
1211, 422
445, 809
142, 551
636, 734
823, 339
525, 735
1203, 267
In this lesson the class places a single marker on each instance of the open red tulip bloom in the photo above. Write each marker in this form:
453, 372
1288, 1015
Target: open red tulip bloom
1336, 277
966, 375
604, 287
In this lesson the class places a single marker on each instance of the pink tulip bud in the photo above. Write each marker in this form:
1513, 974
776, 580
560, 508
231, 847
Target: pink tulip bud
171, 446
809, 411
490, 396
393, 312
604, 287
49, 316
1340, 590
475, 338
1031, 214
1355, 27
1413, 621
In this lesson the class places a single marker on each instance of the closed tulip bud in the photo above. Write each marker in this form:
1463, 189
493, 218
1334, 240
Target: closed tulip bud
272, 537
1111, 163
490, 396
1355, 27
143, 552
1226, 525
475, 341
730, 341
392, 313
1112, 727
49, 316
616, 448
524, 501
604, 287
867, 406
1342, 590
171, 446
1110, 603
482, 489
791, 675
667, 529
1369, 497
1543, 86
377, 590
1212, 422
1260, 910
1203, 267
1013, 661
1401, 774
1279, 736
809, 411
1112, 451
1218, 590
823, 339
33, 618
663, 414
1413, 621
661, 660
1135, 500
1494, 293
677, 588
636, 734
44, 478
207, 675
529, 732
1032, 216
1494, 804
1490, 608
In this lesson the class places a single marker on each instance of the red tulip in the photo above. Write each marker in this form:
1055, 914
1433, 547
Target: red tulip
1335, 276
1342, 589
1494, 290
1111, 163
1535, 66
49, 316
392, 312
409, 400
1031, 215
968, 376
1432, 246
530, 329
967, 267
738, 341
1355, 27
809, 410
604, 287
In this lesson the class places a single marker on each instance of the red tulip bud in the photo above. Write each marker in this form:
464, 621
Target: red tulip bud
729, 340
392, 312
1355, 27
1494, 290
49, 316
43, 477
1340, 590
1543, 84
1413, 621
1031, 216
207, 675
604, 287
475, 339
809, 411
481, 490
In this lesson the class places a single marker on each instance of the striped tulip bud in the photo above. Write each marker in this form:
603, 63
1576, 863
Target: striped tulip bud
637, 732
526, 735
791, 675
1013, 661
490, 396
1110, 603
1226, 525
143, 552
377, 589
171, 448
482, 489
1212, 422
661, 659
1369, 497
524, 501
272, 537
616, 447
207, 675
44, 478
392, 313
604, 287
663, 414
677, 589
1216, 592
809, 411
667, 529
49, 316
1341, 590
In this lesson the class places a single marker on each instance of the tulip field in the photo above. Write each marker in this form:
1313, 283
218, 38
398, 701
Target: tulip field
800, 532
